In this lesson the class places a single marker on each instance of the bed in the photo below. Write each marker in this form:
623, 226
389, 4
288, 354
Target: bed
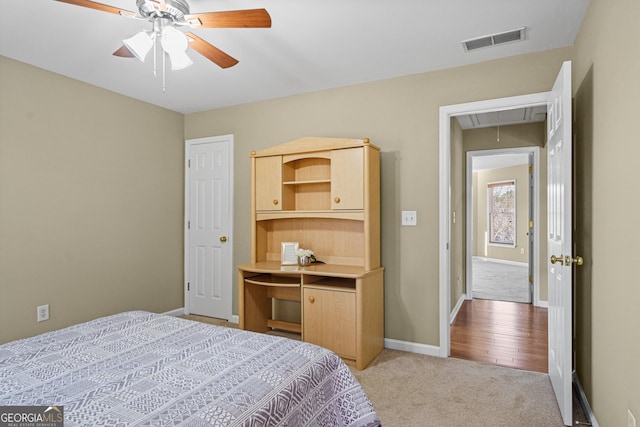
140, 368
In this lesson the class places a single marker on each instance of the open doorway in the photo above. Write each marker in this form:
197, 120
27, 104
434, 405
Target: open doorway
559, 237
448, 145
500, 206
498, 319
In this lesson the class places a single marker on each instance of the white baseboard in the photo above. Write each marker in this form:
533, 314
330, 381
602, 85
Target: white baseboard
234, 319
456, 309
543, 304
584, 402
412, 347
177, 312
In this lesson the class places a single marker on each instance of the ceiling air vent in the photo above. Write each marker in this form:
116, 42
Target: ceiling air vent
494, 39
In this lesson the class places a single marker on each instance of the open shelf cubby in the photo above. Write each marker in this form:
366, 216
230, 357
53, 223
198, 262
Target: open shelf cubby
330, 283
306, 183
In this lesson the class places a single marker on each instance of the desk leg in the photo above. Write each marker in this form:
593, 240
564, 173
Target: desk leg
241, 299
255, 307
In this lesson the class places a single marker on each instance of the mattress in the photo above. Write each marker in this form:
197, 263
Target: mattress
144, 369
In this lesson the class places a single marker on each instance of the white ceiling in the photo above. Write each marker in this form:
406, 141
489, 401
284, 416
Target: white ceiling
505, 117
312, 45
481, 163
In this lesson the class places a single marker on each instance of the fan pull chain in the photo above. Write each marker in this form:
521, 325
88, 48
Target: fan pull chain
155, 49
155, 60
164, 72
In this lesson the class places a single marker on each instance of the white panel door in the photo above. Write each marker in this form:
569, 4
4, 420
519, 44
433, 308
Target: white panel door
559, 191
209, 207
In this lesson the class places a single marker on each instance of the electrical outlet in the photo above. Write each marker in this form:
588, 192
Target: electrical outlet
43, 312
522, 251
631, 420
409, 218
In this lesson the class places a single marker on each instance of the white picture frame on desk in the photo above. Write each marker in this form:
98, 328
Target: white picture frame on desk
288, 255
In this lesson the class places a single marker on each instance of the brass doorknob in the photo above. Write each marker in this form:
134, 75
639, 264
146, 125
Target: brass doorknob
312, 300
555, 259
223, 239
337, 199
577, 261
275, 201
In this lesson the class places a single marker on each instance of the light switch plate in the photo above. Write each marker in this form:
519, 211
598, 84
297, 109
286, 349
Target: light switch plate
43, 312
409, 218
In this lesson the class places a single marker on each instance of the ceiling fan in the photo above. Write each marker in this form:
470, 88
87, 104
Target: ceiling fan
166, 16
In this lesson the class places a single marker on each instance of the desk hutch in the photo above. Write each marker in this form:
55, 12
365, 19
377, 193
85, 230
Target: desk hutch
323, 193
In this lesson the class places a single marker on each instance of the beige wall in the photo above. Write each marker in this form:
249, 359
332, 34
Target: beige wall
91, 202
606, 86
400, 116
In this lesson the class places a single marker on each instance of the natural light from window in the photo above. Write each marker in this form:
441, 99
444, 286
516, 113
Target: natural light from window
502, 213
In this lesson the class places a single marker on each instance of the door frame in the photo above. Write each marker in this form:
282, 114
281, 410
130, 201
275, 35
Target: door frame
534, 201
446, 114
228, 277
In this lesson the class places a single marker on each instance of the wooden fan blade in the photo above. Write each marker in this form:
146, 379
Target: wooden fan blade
99, 6
211, 52
123, 52
250, 18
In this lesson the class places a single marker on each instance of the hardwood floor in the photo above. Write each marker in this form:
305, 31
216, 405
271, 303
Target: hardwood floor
501, 333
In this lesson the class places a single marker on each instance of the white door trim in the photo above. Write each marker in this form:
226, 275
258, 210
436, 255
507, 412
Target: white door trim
228, 279
533, 198
446, 113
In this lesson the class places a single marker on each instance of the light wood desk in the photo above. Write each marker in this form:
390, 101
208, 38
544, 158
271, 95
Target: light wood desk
342, 306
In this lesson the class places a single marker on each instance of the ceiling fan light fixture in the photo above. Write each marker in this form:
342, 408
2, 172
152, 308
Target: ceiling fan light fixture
166, 18
180, 60
175, 44
139, 45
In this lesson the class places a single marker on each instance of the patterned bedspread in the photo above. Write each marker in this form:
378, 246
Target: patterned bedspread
140, 368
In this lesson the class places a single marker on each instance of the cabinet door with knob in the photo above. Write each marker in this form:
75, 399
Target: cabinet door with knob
268, 183
347, 185
330, 320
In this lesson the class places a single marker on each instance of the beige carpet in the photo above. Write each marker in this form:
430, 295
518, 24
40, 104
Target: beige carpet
410, 389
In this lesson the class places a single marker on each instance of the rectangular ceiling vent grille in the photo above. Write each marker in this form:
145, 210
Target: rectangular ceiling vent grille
494, 39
